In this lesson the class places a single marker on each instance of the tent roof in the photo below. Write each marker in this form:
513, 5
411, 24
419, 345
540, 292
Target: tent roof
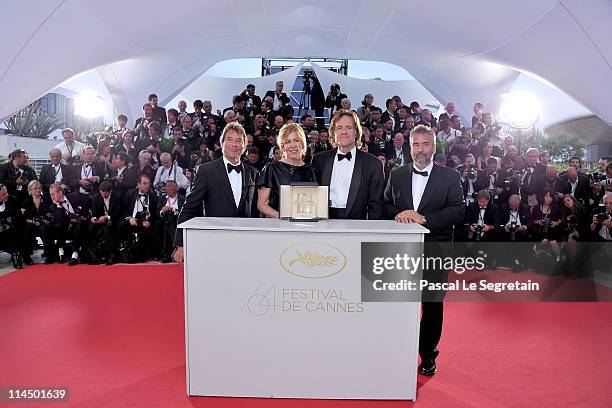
463, 54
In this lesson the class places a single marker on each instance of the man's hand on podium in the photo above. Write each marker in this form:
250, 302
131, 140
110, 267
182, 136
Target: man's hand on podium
178, 254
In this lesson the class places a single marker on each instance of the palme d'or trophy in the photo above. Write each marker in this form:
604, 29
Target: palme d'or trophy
305, 201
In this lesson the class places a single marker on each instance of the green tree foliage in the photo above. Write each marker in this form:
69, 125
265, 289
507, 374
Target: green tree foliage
32, 121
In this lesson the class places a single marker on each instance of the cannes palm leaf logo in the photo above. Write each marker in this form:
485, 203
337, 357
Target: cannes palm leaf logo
313, 260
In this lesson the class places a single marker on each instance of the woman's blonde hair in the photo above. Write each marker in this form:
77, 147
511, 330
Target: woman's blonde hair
32, 184
284, 133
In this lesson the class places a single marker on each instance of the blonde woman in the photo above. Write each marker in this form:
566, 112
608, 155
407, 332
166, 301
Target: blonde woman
290, 168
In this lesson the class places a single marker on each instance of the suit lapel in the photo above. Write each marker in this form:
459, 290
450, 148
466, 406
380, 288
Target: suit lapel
355, 181
245, 183
429, 187
224, 180
327, 170
406, 190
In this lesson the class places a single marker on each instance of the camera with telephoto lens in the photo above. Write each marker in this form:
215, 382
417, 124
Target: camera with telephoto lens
545, 224
142, 216
160, 187
601, 217
6, 223
307, 77
472, 172
513, 228
514, 177
571, 222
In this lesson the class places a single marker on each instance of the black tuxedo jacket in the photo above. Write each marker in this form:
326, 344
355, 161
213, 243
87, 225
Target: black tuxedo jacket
283, 98
405, 155
256, 100
47, 175
159, 114
367, 183
583, 189
76, 176
212, 195
114, 210
442, 202
385, 116
131, 174
491, 215
80, 204
163, 201
8, 177
127, 207
523, 211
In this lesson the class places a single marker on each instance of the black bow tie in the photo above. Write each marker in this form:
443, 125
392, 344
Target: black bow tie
231, 167
347, 156
422, 173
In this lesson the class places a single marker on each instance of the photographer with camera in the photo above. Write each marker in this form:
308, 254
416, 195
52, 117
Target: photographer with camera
139, 211
546, 218
180, 150
127, 146
515, 220
86, 176
71, 149
334, 98
481, 218
151, 143
601, 224
252, 101
105, 214
602, 183
241, 114
391, 114
576, 185
471, 179
168, 208
494, 179
280, 100
36, 211
364, 112
70, 217
141, 127
16, 174
10, 227
55, 172
169, 170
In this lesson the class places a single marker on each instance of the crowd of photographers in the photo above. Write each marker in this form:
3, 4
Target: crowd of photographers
116, 195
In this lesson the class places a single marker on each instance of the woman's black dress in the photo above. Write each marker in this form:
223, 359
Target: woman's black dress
278, 173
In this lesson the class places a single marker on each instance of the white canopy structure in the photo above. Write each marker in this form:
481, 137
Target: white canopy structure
459, 51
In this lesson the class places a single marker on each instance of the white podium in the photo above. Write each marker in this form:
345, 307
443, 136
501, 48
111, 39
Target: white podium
273, 309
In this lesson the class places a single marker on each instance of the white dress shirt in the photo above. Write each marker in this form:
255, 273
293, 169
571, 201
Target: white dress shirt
175, 172
2, 207
140, 203
340, 183
75, 150
57, 170
235, 180
86, 173
418, 185
277, 102
107, 207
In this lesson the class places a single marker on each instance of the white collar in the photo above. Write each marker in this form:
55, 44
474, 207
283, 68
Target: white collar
353, 152
226, 162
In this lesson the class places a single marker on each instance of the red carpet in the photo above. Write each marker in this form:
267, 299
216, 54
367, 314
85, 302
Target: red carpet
115, 337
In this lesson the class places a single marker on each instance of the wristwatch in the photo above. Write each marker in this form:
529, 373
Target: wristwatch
424, 220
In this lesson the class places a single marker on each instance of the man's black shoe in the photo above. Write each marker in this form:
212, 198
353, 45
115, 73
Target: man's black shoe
73, 261
62, 259
110, 261
49, 260
166, 259
429, 367
28, 260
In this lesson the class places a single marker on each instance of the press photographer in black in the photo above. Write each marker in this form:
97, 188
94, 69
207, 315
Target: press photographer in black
105, 215
10, 227
70, 217
169, 207
37, 216
16, 174
482, 217
139, 217
55, 172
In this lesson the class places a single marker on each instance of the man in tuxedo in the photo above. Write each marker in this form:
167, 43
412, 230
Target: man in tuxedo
279, 98
159, 113
449, 111
105, 216
575, 184
355, 178
15, 174
56, 172
119, 172
481, 219
70, 217
139, 212
169, 207
86, 177
495, 178
141, 127
252, 101
391, 113
429, 195
397, 154
223, 187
